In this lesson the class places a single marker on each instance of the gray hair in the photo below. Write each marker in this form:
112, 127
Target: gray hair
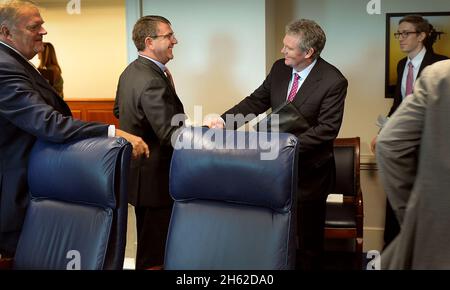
312, 35
146, 26
10, 10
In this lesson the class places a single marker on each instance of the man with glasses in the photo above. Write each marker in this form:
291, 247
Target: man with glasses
416, 40
145, 103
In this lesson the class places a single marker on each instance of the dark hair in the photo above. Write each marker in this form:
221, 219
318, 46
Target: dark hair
422, 25
146, 26
431, 39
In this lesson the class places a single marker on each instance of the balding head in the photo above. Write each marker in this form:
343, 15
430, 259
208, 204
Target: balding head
21, 27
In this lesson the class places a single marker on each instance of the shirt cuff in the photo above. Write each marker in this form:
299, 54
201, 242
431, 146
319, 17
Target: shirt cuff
111, 131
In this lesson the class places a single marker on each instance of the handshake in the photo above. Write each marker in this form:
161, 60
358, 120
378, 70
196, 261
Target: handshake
214, 122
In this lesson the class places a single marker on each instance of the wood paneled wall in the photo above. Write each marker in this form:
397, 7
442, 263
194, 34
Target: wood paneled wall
94, 110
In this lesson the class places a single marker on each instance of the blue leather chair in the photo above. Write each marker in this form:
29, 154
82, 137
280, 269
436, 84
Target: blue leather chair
232, 209
77, 215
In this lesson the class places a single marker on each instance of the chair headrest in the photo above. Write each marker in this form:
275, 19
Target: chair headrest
233, 166
80, 171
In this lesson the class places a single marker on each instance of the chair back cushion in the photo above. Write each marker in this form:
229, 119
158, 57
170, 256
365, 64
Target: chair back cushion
239, 173
71, 214
344, 157
233, 209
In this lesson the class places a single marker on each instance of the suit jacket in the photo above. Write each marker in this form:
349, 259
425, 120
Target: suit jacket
29, 109
145, 104
320, 100
429, 58
414, 164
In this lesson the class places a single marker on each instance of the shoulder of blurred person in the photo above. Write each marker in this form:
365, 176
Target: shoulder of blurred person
412, 154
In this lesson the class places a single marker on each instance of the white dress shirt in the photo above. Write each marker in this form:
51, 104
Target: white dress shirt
416, 62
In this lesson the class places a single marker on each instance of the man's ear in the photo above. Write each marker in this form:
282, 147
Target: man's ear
4, 31
422, 36
310, 53
148, 42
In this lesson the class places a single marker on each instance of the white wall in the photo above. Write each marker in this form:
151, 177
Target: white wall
90, 46
221, 54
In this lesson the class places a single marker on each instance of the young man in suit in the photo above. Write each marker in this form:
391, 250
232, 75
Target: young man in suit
29, 109
318, 90
415, 39
412, 155
146, 102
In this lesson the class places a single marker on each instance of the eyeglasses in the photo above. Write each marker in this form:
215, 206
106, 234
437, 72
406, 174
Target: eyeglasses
404, 34
170, 36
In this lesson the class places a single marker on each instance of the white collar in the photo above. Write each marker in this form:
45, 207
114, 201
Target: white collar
304, 72
417, 60
21, 55
160, 65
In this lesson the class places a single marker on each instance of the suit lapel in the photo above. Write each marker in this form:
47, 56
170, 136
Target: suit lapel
427, 60
155, 68
46, 91
309, 85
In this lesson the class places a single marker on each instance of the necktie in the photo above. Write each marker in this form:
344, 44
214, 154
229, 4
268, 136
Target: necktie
169, 76
409, 79
294, 88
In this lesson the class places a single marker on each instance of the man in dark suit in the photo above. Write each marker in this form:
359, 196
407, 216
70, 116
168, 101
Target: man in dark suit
416, 39
29, 109
146, 103
318, 90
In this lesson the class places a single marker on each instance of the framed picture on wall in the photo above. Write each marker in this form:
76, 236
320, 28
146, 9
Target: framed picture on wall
441, 25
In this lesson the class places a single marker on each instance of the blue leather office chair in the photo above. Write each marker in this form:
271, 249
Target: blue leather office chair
232, 209
77, 216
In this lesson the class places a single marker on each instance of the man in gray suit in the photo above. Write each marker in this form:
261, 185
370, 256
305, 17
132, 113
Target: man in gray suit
412, 154
146, 103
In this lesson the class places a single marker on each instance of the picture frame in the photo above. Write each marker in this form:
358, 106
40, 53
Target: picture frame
440, 22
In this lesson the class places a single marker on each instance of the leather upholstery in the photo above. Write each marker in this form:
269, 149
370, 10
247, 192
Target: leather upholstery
345, 172
345, 220
343, 215
232, 210
78, 203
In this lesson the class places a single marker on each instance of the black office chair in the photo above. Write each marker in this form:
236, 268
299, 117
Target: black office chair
77, 215
345, 220
232, 210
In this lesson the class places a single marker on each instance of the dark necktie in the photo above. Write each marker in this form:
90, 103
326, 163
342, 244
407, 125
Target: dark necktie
169, 76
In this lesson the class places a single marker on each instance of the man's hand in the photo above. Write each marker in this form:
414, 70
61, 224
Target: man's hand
139, 146
373, 144
214, 123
